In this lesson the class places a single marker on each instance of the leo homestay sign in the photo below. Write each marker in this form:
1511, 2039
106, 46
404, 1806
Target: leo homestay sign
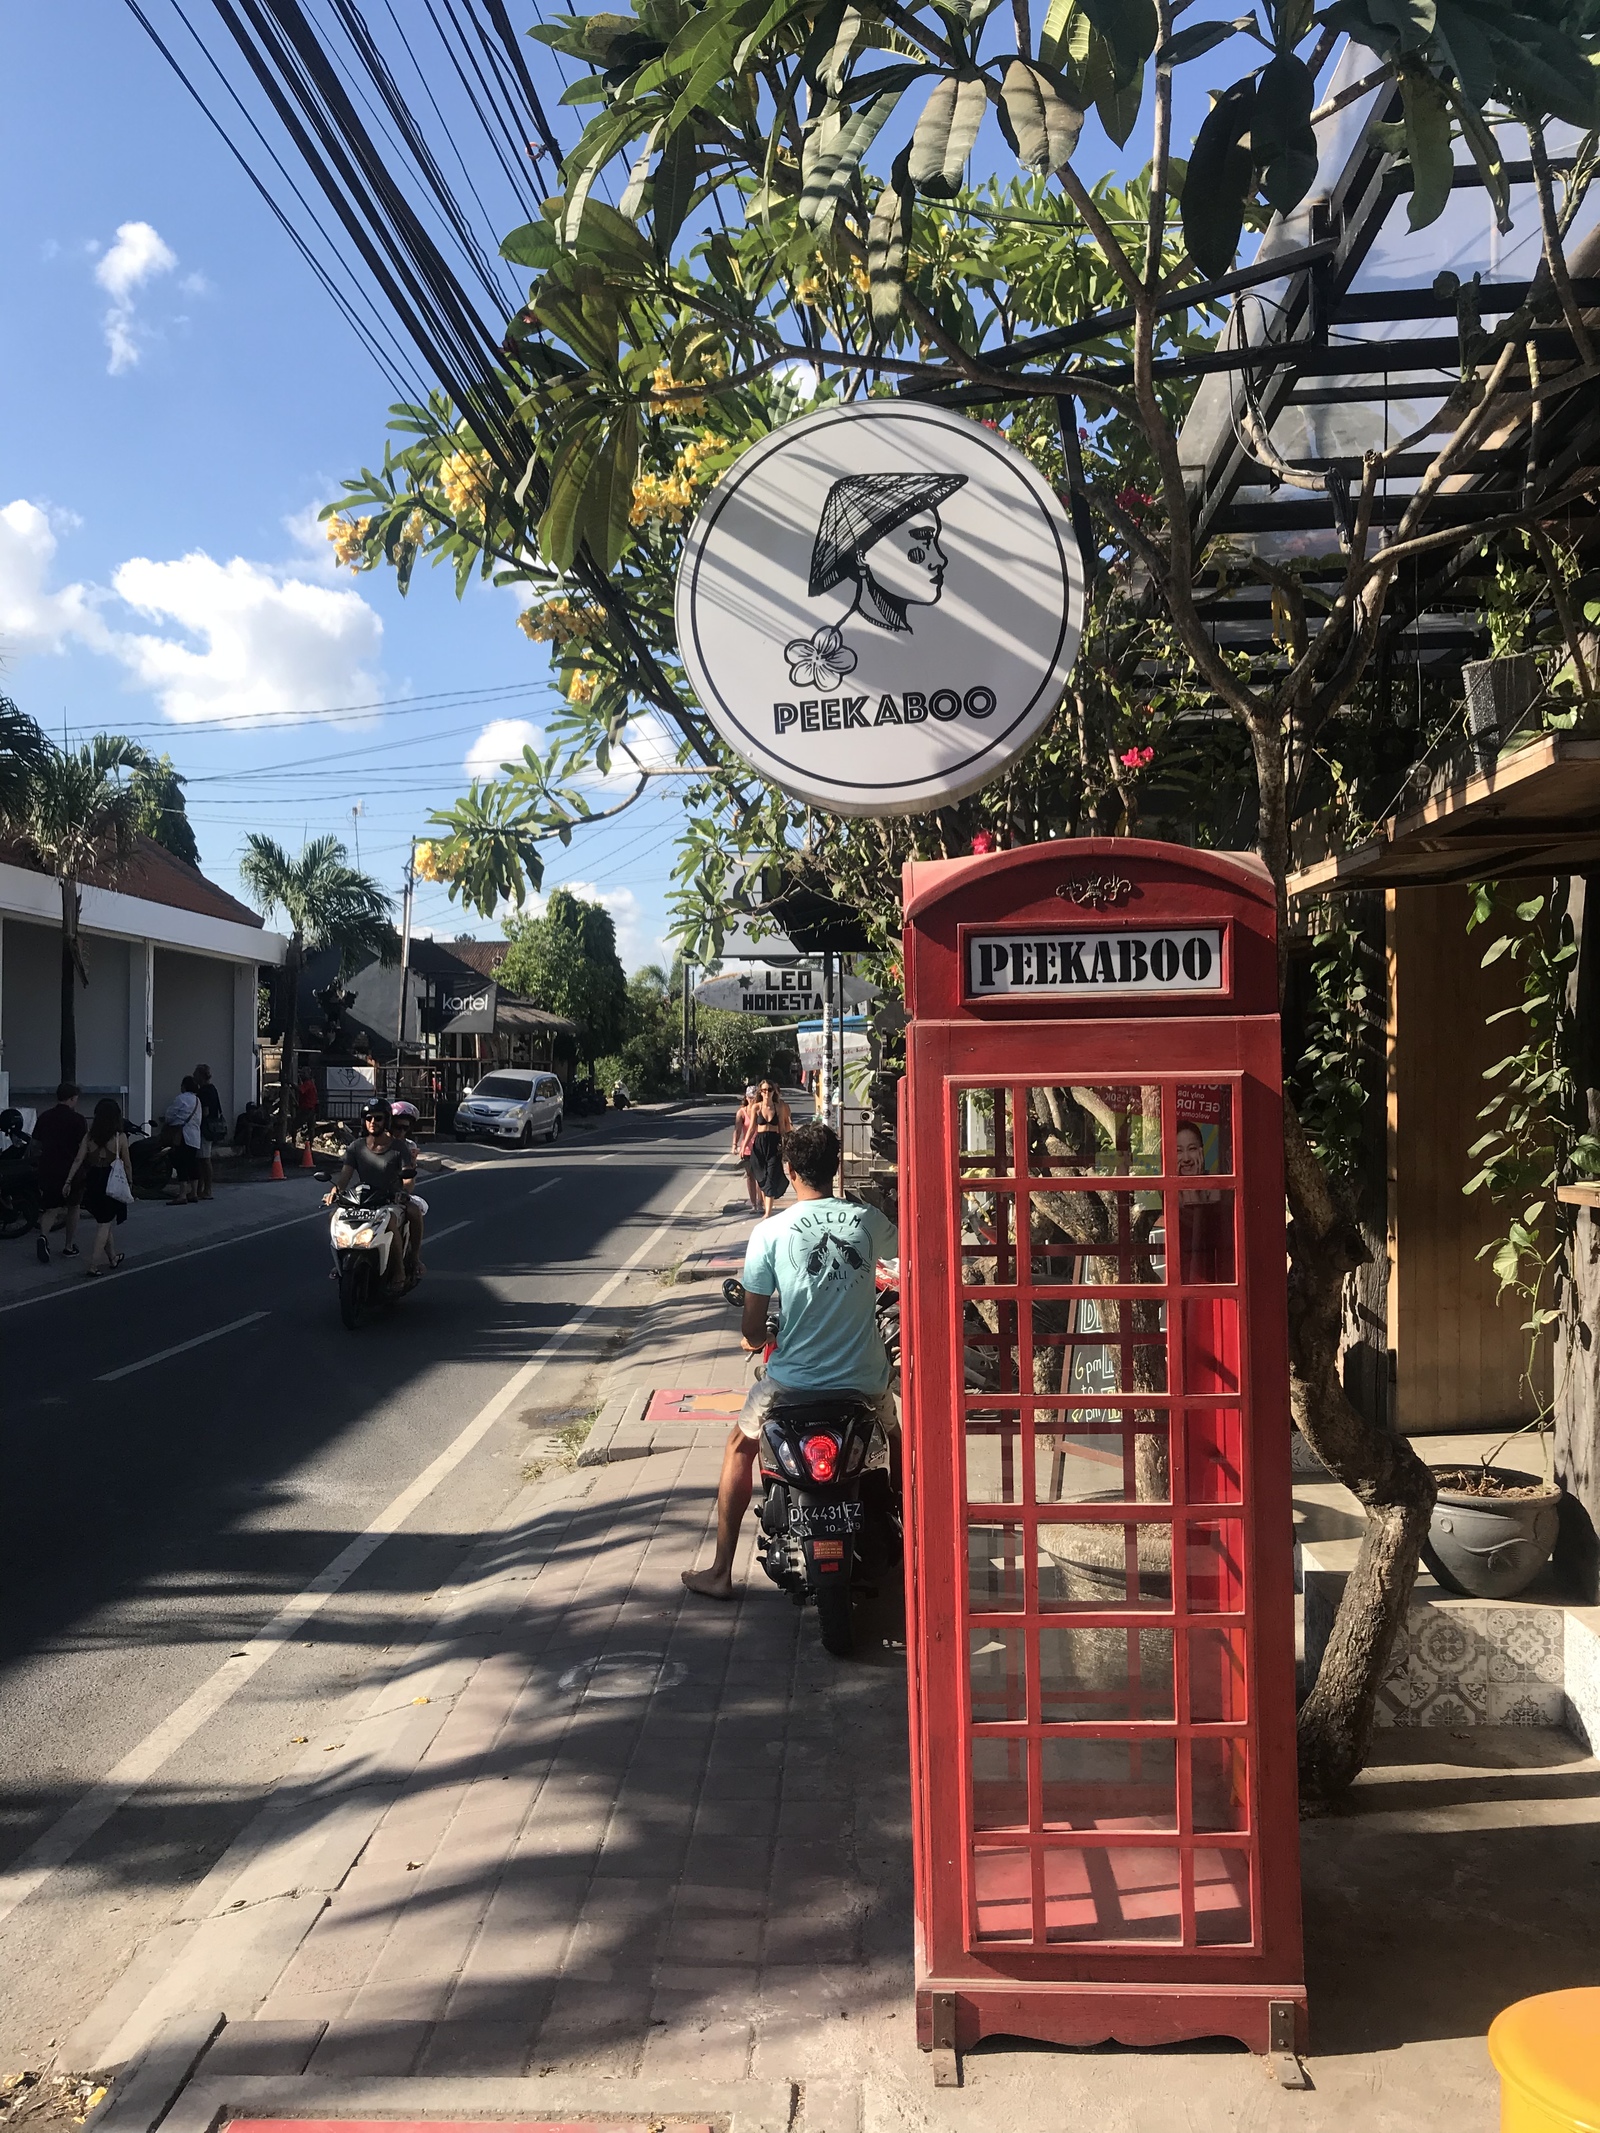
879, 607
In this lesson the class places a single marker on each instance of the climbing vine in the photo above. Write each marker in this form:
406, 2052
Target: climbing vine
1536, 1136
1344, 1024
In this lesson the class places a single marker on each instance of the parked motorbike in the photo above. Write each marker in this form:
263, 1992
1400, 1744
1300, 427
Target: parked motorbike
21, 1200
828, 1522
150, 1164
620, 1099
369, 1250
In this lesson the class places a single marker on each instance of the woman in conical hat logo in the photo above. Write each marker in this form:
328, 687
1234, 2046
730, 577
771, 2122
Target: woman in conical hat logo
883, 531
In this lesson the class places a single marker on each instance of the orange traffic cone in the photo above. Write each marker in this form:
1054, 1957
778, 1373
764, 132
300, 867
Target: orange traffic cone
305, 1161
277, 1166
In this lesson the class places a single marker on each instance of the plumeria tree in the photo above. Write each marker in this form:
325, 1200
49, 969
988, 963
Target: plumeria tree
799, 218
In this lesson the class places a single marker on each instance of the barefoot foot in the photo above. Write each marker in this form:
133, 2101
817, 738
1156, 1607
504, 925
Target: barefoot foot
708, 1584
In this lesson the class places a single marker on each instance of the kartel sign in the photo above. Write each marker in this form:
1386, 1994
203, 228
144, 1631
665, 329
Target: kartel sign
879, 607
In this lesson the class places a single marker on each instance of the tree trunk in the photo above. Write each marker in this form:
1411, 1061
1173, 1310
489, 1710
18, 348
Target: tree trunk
1394, 1487
71, 967
289, 1077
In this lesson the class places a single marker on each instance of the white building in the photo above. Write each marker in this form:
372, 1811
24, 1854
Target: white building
174, 964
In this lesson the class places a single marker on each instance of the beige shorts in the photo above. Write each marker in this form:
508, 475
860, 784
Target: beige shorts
763, 1393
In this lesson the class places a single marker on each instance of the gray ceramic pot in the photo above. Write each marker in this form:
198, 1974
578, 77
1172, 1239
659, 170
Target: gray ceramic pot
1489, 1547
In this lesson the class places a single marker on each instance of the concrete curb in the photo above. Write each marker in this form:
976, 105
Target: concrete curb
620, 1412
144, 2092
739, 2106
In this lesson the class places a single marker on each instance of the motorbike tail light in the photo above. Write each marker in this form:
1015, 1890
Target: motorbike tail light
822, 1456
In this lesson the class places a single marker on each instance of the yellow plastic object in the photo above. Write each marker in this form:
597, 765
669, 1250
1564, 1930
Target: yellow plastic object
1547, 2053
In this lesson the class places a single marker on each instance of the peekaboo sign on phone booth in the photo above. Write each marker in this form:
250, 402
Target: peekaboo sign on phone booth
1100, 1593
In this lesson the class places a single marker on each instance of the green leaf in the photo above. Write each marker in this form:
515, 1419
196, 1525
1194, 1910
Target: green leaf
1427, 122
1037, 120
1494, 954
831, 175
1505, 1263
1283, 143
1118, 107
591, 90
632, 202
1529, 911
945, 134
1480, 138
1064, 40
1220, 180
888, 234
560, 528
607, 504
672, 189
1413, 21
1130, 27
1197, 38
533, 245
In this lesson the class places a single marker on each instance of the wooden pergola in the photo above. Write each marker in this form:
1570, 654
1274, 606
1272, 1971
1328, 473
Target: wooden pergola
1534, 812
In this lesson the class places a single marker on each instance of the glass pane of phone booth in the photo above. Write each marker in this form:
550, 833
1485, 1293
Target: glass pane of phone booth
1110, 1760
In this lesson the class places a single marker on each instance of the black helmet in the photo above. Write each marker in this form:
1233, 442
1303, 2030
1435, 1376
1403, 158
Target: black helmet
10, 1120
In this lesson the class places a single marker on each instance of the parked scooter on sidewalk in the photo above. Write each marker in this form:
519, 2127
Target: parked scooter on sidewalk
21, 1200
828, 1522
369, 1252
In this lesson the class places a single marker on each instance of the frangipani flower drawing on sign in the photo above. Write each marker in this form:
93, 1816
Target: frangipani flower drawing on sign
820, 661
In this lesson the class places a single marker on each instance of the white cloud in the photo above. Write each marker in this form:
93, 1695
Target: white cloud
501, 741
237, 640
32, 617
262, 643
138, 256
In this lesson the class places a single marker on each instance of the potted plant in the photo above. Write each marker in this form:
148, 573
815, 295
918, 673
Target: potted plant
1492, 1529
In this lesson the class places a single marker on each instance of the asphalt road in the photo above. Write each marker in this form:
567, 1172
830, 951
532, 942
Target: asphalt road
160, 1508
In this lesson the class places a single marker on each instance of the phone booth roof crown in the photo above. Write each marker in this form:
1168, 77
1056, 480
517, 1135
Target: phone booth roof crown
1091, 926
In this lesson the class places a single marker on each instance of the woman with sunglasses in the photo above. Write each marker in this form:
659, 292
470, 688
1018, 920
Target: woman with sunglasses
771, 1120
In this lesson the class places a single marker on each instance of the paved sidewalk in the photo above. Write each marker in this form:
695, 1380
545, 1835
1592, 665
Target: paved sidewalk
594, 1845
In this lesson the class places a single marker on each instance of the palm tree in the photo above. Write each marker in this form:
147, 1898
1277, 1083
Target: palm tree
22, 747
327, 904
71, 810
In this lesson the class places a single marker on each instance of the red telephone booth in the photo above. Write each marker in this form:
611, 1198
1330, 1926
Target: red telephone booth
1097, 1450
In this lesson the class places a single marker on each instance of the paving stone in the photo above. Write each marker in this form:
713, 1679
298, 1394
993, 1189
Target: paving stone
481, 2048
351, 2047
281, 2047
683, 2040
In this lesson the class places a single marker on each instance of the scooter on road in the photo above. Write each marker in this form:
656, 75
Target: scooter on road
369, 1252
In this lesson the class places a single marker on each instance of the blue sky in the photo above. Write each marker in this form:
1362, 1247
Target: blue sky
182, 397
180, 401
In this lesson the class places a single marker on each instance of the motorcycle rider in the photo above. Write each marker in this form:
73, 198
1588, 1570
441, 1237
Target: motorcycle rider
821, 1256
386, 1164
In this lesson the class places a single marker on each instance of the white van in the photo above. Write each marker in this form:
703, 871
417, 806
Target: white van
512, 1104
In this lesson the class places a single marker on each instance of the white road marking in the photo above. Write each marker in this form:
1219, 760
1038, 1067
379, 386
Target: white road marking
56, 1845
144, 1266
198, 1251
437, 1236
108, 1377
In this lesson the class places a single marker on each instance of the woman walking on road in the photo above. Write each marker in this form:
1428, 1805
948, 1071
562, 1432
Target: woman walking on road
104, 1144
771, 1119
744, 1140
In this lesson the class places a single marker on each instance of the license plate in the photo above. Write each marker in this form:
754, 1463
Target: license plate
809, 1518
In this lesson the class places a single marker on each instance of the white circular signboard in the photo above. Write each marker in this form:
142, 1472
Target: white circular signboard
879, 607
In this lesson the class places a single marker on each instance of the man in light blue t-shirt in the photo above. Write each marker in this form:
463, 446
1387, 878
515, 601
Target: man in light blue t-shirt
820, 1257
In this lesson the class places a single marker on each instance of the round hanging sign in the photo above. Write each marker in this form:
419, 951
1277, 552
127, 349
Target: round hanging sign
879, 607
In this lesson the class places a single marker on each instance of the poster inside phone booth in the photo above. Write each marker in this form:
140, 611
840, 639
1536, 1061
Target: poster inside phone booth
1099, 1580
